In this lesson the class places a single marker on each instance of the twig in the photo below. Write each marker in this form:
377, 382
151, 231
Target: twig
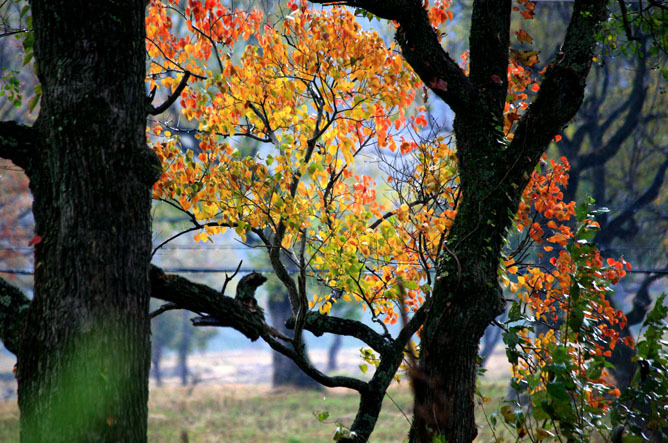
227, 279
164, 308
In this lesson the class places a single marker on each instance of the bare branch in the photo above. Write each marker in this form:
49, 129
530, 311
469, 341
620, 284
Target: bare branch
164, 308
227, 279
625, 21
641, 301
633, 107
200, 298
171, 99
319, 324
561, 91
652, 192
219, 310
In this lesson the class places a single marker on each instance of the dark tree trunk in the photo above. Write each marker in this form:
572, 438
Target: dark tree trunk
493, 174
84, 357
466, 301
184, 348
285, 371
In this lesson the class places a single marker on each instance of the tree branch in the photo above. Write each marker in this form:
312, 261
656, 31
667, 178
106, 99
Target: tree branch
641, 301
219, 310
311, 371
18, 143
604, 236
319, 324
633, 106
562, 89
13, 308
200, 298
151, 110
421, 48
489, 41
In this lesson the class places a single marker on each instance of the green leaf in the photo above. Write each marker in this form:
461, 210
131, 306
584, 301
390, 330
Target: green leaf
321, 415
33, 102
560, 355
410, 285
515, 312
558, 392
575, 319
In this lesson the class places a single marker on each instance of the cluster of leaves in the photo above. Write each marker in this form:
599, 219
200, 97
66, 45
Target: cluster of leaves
16, 22
639, 29
12, 88
561, 328
318, 95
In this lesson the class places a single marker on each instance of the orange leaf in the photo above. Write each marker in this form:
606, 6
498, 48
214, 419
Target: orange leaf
524, 37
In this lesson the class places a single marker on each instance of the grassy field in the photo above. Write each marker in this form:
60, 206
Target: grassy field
259, 414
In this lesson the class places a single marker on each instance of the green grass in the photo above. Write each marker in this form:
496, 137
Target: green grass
9, 421
249, 414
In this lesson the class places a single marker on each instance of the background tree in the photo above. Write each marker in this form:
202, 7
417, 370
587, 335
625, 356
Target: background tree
173, 331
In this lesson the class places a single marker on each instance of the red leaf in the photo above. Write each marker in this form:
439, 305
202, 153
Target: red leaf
35, 240
524, 37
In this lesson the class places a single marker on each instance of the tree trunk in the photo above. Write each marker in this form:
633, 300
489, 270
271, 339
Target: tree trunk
84, 358
465, 302
285, 371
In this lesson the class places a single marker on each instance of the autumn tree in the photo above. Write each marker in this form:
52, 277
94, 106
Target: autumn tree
494, 169
617, 155
319, 89
500, 138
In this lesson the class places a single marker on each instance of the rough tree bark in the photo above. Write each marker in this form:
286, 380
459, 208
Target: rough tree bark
83, 354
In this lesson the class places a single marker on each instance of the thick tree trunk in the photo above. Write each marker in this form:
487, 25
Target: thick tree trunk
84, 358
285, 371
466, 300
